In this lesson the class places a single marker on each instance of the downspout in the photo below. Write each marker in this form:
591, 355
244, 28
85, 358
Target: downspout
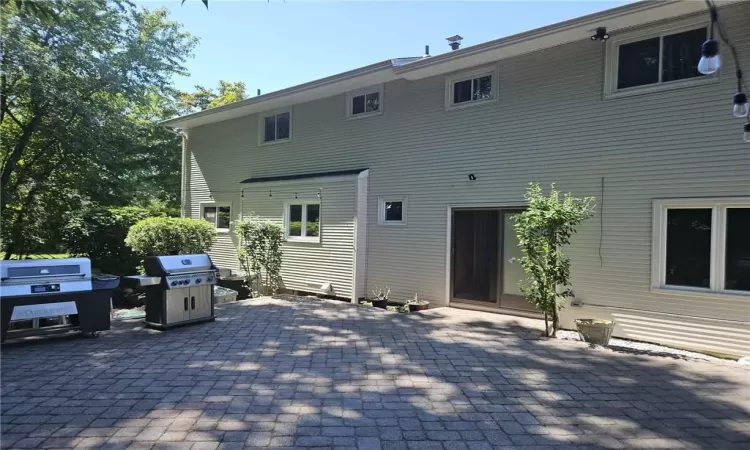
184, 175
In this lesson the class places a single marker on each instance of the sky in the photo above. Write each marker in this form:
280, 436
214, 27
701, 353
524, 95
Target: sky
271, 45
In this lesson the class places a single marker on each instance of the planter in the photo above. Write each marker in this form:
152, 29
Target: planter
235, 284
378, 303
413, 307
224, 295
595, 331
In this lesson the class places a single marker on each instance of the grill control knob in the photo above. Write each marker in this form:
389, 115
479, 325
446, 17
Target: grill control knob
198, 280
181, 282
174, 283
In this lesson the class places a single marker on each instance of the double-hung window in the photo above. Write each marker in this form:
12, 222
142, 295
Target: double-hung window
365, 103
276, 127
471, 88
655, 59
217, 214
302, 221
702, 245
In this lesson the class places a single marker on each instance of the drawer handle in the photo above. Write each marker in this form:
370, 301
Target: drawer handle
192, 302
186, 304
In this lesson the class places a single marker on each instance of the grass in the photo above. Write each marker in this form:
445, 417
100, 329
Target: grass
38, 256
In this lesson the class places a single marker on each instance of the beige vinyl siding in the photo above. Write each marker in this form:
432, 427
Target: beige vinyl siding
307, 265
550, 124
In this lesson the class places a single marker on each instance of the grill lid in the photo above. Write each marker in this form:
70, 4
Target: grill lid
173, 264
40, 269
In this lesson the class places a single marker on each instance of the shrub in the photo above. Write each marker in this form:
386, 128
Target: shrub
542, 230
260, 253
99, 233
170, 236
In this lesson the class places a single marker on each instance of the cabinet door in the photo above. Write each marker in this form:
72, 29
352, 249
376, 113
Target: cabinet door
200, 301
177, 305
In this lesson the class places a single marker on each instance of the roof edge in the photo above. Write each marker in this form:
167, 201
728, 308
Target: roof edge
304, 176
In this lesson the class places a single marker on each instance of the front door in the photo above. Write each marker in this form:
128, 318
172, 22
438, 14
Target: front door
483, 244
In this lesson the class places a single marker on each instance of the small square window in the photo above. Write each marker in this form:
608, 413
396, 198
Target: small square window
220, 216
364, 103
302, 222
392, 211
277, 127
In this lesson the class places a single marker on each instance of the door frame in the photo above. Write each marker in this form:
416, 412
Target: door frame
449, 231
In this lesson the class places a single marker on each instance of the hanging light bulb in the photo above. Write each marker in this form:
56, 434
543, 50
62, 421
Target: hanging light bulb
741, 106
746, 135
710, 60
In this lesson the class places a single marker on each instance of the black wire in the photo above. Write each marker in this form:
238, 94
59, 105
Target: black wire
741, 86
601, 226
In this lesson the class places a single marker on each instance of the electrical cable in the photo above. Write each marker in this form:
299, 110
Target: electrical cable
601, 226
741, 86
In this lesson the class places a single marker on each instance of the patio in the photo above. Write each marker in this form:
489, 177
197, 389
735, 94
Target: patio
312, 373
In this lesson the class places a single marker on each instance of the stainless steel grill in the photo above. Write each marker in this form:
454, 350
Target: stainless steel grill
179, 289
40, 296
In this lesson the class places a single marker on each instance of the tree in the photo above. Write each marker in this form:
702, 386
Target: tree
204, 98
542, 230
80, 101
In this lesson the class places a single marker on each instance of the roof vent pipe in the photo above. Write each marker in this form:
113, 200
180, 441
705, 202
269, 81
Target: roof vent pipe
258, 91
426, 51
454, 41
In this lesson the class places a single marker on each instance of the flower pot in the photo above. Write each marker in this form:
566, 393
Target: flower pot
418, 306
595, 331
379, 303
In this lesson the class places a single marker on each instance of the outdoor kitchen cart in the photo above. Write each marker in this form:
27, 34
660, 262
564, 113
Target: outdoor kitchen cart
179, 289
42, 296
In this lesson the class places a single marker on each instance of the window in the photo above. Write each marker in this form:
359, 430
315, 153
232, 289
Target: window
364, 103
277, 127
471, 88
656, 59
392, 211
302, 222
702, 245
220, 215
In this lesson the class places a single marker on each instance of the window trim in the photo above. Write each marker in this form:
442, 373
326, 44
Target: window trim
381, 211
303, 238
204, 205
262, 126
467, 75
612, 53
379, 89
718, 205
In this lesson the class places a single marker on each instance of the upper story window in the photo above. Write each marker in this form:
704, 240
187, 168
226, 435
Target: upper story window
702, 245
655, 59
276, 127
392, 211
365, 103
302, 221
218, 214
471, 88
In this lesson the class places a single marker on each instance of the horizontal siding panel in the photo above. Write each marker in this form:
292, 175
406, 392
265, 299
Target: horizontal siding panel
547, 126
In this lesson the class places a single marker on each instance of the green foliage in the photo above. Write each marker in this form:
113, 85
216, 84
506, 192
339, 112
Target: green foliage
99, 234
542, 230
260, 253
205, 98
81, 95
170, 236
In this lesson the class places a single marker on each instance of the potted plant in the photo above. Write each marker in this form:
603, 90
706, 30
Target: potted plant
595, 331
380, 299
415, 304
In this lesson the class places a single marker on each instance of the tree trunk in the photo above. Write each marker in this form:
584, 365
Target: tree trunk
12, 161
546, 325
555, 317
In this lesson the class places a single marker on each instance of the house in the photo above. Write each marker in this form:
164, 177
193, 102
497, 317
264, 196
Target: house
407, 172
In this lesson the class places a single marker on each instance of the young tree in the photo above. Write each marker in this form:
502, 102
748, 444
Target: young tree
542, 230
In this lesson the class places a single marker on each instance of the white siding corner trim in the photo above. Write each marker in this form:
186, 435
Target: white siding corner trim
360, 238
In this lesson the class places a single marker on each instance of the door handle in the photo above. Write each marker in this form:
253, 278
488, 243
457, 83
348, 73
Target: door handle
192, 302
186, 304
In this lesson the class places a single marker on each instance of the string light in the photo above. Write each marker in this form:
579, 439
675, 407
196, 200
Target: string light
710, 60
746, 134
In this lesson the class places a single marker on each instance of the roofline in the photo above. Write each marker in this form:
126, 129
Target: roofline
372, 68
304, 176
638, 6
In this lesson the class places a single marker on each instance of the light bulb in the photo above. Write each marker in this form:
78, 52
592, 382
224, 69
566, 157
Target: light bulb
710, 60
740, 108
746, 135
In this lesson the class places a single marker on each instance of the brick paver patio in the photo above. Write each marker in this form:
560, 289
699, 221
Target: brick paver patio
302, 373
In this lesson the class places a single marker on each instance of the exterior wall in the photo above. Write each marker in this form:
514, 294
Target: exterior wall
550, 124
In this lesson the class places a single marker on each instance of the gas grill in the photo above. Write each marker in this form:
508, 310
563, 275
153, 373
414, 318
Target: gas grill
179, 289
41, 296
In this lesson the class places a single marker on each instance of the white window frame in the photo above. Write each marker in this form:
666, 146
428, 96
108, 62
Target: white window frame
262, 126
303, 237
381, 211
469, 75
719, 206
217, 205
370, 90
613, 54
